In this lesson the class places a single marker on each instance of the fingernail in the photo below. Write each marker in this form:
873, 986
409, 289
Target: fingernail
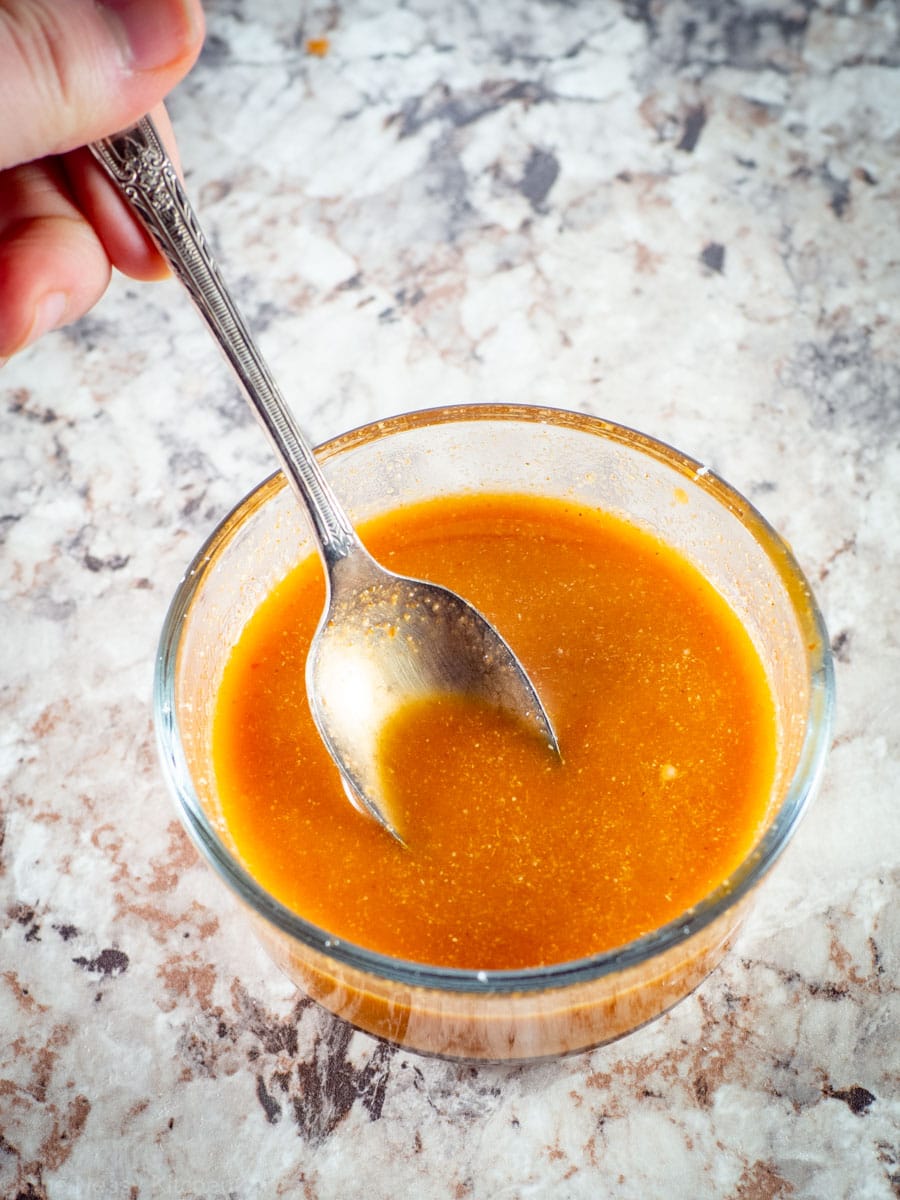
154, 34
48, 314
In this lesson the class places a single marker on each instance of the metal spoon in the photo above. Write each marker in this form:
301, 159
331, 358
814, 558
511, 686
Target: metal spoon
383, 639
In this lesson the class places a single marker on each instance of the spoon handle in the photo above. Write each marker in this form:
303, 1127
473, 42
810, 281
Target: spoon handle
139, 166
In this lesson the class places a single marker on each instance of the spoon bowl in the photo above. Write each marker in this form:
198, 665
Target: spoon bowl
384, 639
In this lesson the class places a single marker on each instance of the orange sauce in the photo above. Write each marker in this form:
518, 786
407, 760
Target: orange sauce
513, 859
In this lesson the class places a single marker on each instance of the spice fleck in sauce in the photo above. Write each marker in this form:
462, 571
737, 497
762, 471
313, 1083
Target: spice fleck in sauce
513, 859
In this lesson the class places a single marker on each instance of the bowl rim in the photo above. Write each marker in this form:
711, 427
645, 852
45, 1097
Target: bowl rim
727, 895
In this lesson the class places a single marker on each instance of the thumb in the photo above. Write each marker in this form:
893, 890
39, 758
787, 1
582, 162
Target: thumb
75, 70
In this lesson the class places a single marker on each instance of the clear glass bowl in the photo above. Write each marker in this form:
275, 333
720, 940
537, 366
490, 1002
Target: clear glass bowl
522, 1014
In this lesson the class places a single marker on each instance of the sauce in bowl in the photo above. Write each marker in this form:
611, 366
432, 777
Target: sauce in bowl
513, 859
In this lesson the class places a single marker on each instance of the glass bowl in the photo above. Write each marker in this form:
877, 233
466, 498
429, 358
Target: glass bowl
547, 1011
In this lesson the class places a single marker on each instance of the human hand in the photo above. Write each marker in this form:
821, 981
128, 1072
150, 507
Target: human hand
72, 71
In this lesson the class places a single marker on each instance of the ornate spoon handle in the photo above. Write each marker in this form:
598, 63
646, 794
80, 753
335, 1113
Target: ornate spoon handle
138, 164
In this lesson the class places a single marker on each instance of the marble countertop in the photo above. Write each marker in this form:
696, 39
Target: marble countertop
682, 216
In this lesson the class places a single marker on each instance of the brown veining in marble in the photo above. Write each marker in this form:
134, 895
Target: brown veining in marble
762, 1181
646, 261
161, 922
179, 855
22, 995
187, 977
110, 841
34, 1107
50, 717
67, 1128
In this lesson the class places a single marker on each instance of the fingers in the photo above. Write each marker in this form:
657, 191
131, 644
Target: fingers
124, 242
62, 226
53, 267
71, 72
75, 71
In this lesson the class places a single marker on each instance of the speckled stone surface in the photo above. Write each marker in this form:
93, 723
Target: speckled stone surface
684, 216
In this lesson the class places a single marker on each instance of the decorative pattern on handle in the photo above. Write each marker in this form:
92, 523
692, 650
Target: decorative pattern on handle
138, 164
